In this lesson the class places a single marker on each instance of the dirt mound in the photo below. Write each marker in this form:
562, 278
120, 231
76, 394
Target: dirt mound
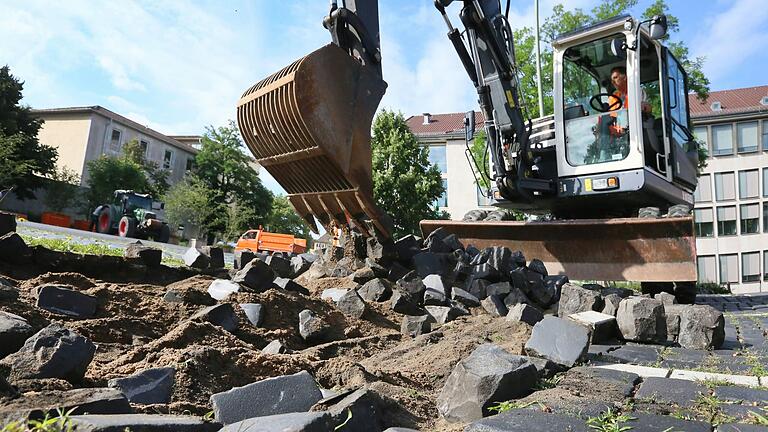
73, 280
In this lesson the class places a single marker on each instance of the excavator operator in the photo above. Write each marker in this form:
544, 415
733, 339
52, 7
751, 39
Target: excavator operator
620, 98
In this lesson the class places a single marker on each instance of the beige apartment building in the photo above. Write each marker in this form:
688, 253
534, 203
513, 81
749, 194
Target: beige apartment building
731, 209
82, 134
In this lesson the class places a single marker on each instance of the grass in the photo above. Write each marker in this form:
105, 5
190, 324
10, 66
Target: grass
58, 423
756, 367
708, 408
505, 406
95, 248
610, 421
548, 383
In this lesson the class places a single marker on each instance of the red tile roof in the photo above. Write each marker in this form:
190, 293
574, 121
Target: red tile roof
441, 123
733, 101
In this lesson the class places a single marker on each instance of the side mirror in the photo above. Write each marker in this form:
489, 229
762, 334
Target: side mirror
619, 48
658, 27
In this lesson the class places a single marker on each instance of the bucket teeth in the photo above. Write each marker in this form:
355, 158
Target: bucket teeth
309, 126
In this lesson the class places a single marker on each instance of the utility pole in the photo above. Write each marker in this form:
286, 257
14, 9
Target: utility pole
538, 63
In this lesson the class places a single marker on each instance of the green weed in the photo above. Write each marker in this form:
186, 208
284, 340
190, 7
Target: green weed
610, 421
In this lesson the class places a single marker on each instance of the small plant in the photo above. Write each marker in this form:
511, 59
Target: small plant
59, 423
712, 288
757, 418
548, 383
610, 421
708, 407
501, 407
208, 417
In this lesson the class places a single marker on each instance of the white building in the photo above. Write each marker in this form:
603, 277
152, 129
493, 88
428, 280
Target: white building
732, 236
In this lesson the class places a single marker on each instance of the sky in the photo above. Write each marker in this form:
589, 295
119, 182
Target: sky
178, 66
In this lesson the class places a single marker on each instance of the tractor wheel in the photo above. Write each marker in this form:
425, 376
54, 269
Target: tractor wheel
164, 234
126, 227
654, 288
104, 221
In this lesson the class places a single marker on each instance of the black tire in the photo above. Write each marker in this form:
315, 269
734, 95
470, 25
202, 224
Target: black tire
164, 235
654, 288
126, 227
679, 210
104, 221
685, 292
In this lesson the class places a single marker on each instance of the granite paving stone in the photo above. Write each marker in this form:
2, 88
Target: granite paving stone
679, 392
742, 394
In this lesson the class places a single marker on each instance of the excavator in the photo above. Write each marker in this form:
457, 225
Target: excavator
603, 168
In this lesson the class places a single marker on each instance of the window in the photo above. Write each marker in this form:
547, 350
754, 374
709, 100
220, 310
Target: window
750, 267
765, 135
144, 147
168, 159
765, 217
749, 182
705, 265
726, 221
114, 142
703, 189
704, 220
437, 157
729, 270
592, 135
746, 137
765, 182
750, 218
443, 200
701, 134
722, 140
765, 265
725, 189
190, 163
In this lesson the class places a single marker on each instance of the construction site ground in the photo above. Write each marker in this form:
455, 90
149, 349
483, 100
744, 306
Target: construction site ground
135, 329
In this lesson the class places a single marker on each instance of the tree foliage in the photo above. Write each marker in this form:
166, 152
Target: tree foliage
186, 202
107, 174
284, 219
62, 190
23, 160
157, 177
405, 183
238, 200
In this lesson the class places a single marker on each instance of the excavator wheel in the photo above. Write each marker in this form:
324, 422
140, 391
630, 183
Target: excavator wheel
475, 215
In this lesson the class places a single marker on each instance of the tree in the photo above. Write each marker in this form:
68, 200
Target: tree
156, 176
239, 200
480, 164
23, 160
284, 219
107, 174
63, 190
405, 183
187, 202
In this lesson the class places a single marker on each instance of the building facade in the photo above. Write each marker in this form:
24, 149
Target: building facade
82, 134
731, 208
443, 135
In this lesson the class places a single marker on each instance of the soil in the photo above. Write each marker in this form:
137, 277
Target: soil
135, 329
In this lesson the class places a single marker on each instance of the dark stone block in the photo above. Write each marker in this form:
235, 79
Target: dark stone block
487, 272
194, 257
243, 257
38, 405
427, 263
254, 312
279, 395
215, 256
669, 390
635, 354
538, 266
150, 386
558, 340
53, 352
14, 330
64, 301
290, 285
404, 303
142, 422
375, 290
290, 422
151, 257
256, 276
744, 394
396, 271
655, 423
412, 284
222, 315
279, 265
14, 250
528, 420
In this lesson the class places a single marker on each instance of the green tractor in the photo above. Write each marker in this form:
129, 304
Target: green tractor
132, 215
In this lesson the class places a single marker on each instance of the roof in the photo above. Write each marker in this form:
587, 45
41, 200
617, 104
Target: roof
735, 101
440, 124
118, 118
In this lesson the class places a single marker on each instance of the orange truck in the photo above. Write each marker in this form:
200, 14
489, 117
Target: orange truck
263, 241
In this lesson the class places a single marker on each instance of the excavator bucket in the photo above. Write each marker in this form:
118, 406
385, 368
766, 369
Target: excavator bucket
309, 126
643, 250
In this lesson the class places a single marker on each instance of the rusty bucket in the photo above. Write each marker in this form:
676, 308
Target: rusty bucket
309, 126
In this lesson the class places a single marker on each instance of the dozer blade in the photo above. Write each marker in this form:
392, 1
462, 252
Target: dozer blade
643, 250
309, 126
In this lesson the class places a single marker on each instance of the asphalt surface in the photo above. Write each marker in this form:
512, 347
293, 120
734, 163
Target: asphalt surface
38, 230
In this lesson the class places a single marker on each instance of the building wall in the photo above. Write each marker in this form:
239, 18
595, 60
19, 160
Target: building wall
67, 133
724, 257
461, 190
